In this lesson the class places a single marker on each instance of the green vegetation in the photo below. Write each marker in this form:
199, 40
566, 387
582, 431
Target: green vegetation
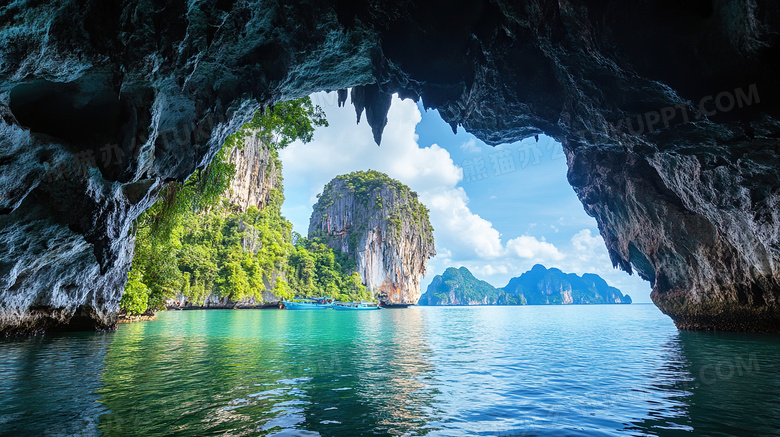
462, 287
316, 269
367, 185
193, 241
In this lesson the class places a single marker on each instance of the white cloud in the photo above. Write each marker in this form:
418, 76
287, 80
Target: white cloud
529, 247
585, 243
489, 270
465, 234
470, 146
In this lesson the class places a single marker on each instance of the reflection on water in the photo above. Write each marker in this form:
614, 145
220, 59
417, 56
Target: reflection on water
267, 371
731, 386
48, 384
598, 370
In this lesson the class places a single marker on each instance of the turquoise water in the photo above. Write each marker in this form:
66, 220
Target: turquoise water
507, 371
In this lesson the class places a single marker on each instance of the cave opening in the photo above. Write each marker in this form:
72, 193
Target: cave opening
660, 98
672, 160
496, 210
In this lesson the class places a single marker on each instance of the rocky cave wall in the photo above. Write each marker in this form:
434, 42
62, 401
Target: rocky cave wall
667, 111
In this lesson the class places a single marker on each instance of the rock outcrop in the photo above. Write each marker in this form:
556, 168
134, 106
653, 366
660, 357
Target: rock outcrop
538, 286
460, 287
669, 115
543, 286
380, 223
180, 301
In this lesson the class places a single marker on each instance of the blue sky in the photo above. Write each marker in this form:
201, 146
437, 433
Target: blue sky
496, 210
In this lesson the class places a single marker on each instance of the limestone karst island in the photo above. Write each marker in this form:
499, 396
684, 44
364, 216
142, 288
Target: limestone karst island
389, 218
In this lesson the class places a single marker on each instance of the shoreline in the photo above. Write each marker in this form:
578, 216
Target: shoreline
269, 306
124, 318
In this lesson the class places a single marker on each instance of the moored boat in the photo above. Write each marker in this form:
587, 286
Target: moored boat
355, 306
309, 303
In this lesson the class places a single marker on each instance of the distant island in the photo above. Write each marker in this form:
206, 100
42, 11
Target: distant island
538, 286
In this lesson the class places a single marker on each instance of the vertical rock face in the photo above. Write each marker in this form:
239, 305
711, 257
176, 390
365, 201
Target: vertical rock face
382, 225
256, 174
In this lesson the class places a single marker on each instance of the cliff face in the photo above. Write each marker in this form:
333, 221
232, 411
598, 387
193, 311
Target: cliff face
382, 225
538, 286
257, 174
669, 114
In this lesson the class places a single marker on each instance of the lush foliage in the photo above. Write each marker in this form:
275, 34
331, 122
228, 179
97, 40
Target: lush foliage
282, 124
192, 241
367, 187
462, 287
135, 299
315, 269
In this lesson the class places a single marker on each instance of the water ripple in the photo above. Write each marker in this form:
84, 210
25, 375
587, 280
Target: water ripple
501, 371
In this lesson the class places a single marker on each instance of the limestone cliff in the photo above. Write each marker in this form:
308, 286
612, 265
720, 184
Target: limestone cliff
257, 173
669, 115
382, 225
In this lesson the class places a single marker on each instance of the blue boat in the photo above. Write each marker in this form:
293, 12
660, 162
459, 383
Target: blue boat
309, 303
355, 306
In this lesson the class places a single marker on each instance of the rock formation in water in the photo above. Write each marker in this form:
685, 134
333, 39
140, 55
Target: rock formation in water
258, 172
543, 286
384, 228
538, 286
669, 115
460, 287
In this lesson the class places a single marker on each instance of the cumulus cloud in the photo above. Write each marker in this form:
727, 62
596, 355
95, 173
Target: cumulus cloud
489, 270
584, 242
529, 247
466, 234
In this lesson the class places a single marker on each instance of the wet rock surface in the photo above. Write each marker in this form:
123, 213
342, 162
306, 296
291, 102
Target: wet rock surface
668, 114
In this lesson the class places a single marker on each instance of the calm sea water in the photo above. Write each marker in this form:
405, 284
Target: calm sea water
562, 370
